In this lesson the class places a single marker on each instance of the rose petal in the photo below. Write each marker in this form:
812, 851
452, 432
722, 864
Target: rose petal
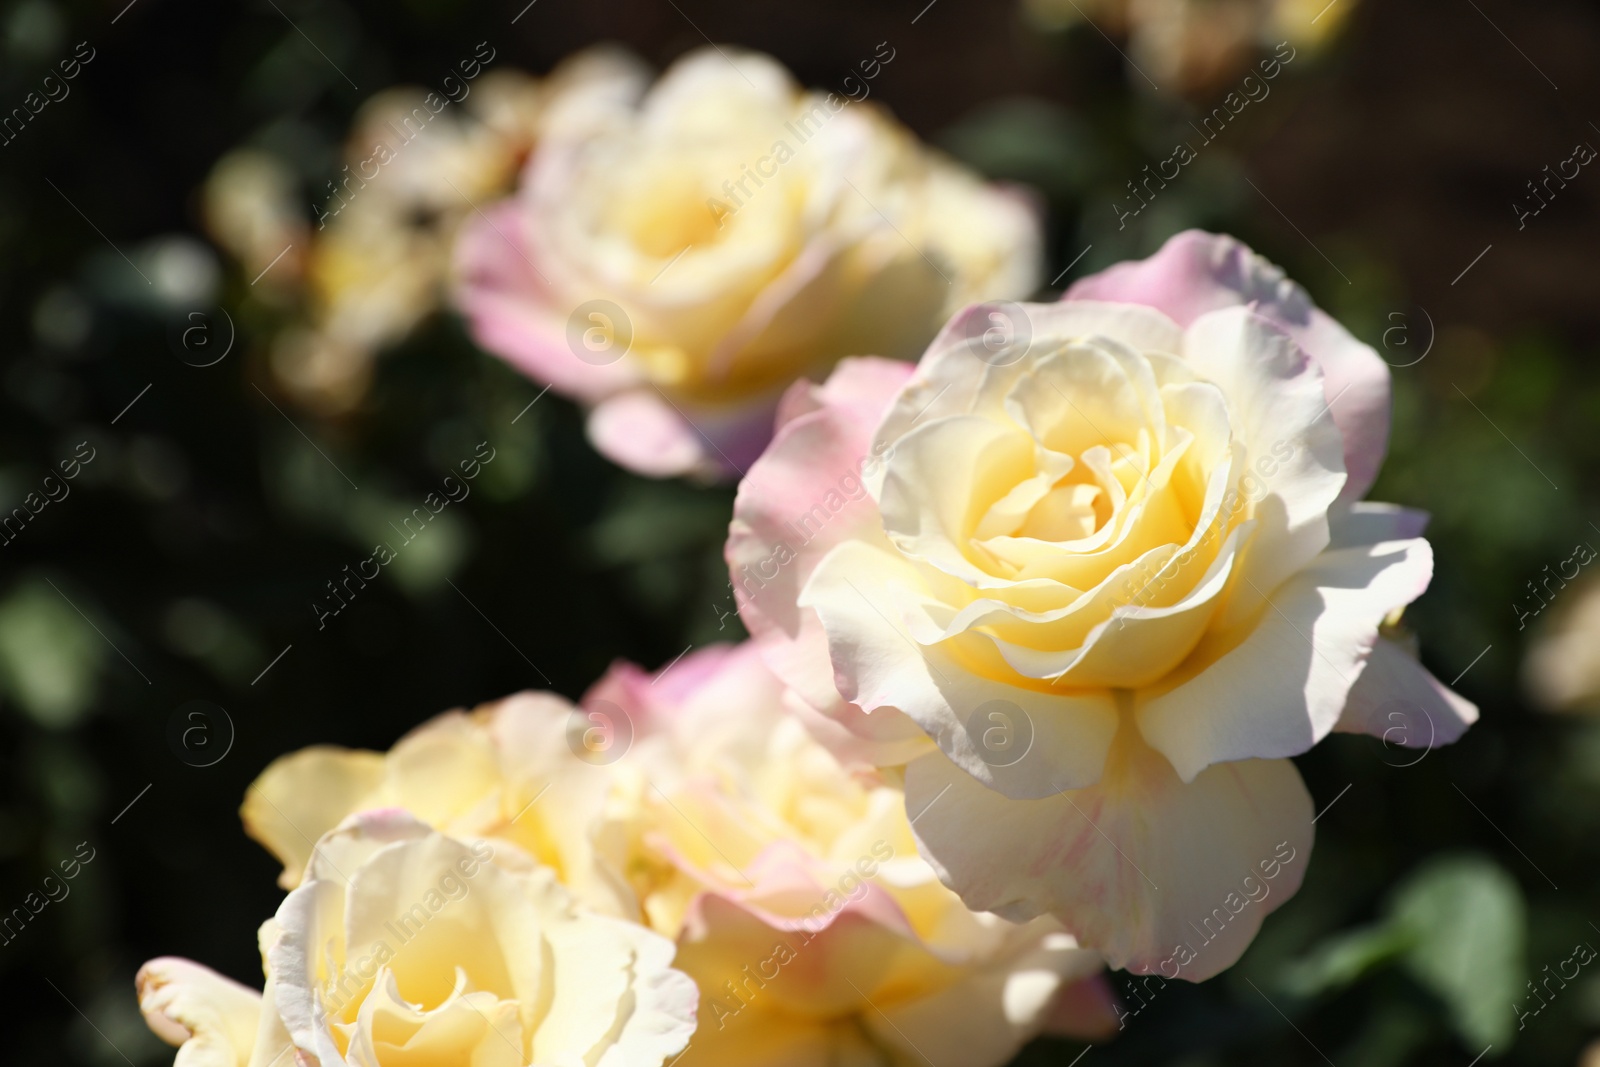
868, 600
617, 997
511, 311
641, 431
1396, 699
1294, 466
303, 795
214, 1019
1136, 865
836, 969
959, 375
1197, 272
804, 495
987, 1018
1281, 689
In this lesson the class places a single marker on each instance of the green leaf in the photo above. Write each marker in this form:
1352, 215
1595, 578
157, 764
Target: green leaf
50, 657
1025, 140
1467, 922
1345, 957
1457, 925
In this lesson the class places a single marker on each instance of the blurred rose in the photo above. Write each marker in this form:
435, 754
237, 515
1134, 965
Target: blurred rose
1200, 45
675, 260
403, 946
1094, 576
816, 933
250, 209
372, 261
1562, 667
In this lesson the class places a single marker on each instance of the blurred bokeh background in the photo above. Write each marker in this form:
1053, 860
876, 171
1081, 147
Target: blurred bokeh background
141, 207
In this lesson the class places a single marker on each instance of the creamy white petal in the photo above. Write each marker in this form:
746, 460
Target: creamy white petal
1137, 865
1046, 741
212, 1018
1294, 456
1397, 700
1283, 685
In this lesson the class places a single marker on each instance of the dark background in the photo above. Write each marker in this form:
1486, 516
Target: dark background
189, 551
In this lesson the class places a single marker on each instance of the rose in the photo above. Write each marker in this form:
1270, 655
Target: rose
501, 771
406, 946
1106, 577
797, 898
674, 261
1202, 45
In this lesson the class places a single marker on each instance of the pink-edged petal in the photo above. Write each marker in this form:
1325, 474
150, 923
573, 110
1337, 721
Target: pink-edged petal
1357, 382
1368, 522
1157, 875
512, 312
859, 740
789, 890
1197, 272
647, 697
650, 434
1398, 700
639, 430
1294, 463
1282, 687
860, 385
830, 964
804, 495
213, 1019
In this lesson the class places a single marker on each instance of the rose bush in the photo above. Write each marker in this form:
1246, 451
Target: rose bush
1090, 572
404, 946
674, 260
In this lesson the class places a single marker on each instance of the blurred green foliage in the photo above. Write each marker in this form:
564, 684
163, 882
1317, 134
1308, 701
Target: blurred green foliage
1456, 926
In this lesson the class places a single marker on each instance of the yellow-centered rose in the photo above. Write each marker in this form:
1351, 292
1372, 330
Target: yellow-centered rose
676, 260
407, 948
